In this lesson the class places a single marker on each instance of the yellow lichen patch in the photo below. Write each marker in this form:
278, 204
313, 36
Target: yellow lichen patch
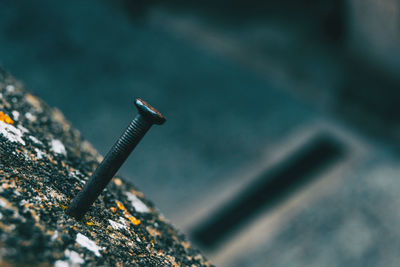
90, 223
117, 181
127, 215
5, 118
120, 206
50, 158
64, 207
133, 220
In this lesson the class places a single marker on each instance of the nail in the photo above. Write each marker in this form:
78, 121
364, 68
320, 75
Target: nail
115, 158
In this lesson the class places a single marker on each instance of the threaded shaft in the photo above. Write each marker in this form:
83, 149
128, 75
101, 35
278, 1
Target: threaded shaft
109, 166
132, 136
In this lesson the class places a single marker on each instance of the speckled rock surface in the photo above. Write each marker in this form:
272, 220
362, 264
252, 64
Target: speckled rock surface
44, 162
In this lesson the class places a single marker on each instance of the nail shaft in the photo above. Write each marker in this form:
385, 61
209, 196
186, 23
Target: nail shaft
115, 158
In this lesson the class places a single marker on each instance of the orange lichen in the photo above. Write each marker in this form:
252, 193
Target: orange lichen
113, 209
127, 215
90, 223
5, 118
120, 206
133, 220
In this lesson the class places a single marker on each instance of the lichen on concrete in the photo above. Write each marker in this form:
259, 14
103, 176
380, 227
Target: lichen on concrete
44, 162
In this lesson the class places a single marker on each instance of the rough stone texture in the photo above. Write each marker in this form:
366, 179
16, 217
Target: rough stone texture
44, 162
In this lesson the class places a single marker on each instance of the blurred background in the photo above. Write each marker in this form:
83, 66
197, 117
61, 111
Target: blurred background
281, 145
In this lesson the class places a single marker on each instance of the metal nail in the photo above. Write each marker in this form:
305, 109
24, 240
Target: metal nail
115, 158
